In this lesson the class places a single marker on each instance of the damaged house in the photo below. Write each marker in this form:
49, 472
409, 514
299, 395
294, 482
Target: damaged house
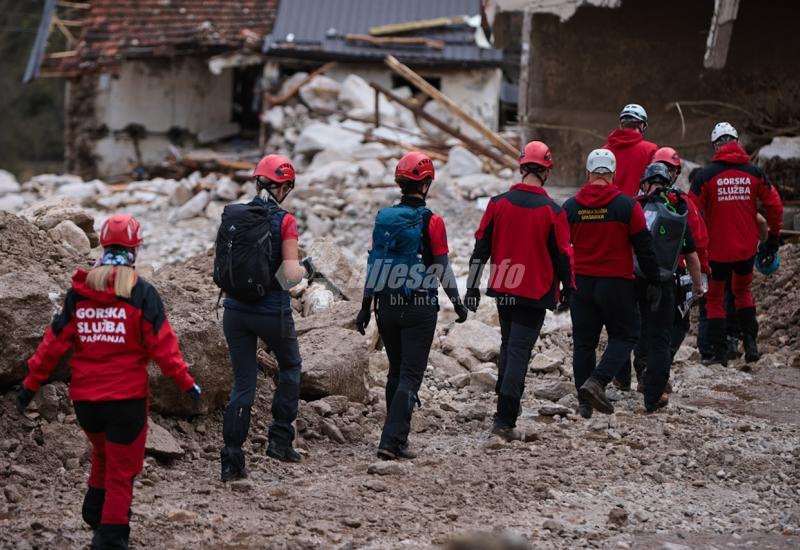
145, 77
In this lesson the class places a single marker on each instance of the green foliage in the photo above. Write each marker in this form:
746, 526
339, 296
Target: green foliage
31, 115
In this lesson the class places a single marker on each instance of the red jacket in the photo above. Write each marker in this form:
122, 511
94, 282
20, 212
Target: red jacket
726, 191
699, 233
114, 339
527, 237
633, 155
607, 228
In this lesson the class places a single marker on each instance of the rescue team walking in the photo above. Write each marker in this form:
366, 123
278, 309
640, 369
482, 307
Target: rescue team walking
628, 253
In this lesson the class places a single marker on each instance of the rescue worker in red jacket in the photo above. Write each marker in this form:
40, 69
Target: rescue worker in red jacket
607, 229
727, 191
525, 273
115, 323
632, 152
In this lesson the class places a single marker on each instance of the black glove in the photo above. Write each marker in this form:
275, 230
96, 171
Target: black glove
772, 245
654, 296
565, 299
362, 319
194, 394
24, 398
461, 311
472, 299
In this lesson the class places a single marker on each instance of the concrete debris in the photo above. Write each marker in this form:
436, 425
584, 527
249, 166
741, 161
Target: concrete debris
461, 162
160, 443
69, 234
8, 183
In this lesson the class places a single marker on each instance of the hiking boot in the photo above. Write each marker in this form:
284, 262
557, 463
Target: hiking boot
232, 462
660, 404
283, 452
751, 354
92, 508
404, 452
593, 393
110, 537
733, 348
507, 433
585, 410
716, 360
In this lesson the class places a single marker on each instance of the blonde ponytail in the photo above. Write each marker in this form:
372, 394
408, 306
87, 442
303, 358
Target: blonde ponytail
124, 279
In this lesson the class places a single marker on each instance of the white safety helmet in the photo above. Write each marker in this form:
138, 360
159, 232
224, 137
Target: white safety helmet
723, 129
601, 161
636, 111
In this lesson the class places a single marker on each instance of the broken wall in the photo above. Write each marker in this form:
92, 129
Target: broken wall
138, 112
585, 69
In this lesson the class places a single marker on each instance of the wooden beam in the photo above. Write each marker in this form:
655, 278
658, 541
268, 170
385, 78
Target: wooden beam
719, 34
485, 150
74, 5
71, 40
523, 89
451, 106
272, 100
61, 55
397, 28
395, 41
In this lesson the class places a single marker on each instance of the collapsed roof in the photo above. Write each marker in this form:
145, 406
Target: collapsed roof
341, 30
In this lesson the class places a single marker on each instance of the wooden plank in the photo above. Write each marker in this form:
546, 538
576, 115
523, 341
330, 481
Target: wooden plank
71, 40
74, 5
450, 105
396, 41
719, 34
397, 28
523, 93
473, 144
61, 55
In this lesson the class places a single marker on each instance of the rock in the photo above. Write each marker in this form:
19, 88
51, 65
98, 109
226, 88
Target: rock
357, 95
474, 186
333, 433
319, 136
618, 516
191, 209
160, 442
46, 215
372, 169
446, 365
321, 407
181, 516
317, 298
180, 193
480, 339
338, 268
542, 363
339, 314
69, 234
460, 381
476, 412
51, 400
461, 162
322, 92
338, 404
12, 203
554, 410
190, 298
334, 371
12, 494
484, 379
553, 526
82, 192
28, 301
553, 392
241, 486
275, 118
64, 441
375, 485
227, 189
8, 183
385, 468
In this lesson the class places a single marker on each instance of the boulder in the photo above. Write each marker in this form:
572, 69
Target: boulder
338, 268
340, 314
227, 189
64, 441
542, 363
46, 215
68, 234
275, 118
481, 340
53, 399
554, 410
12, 203
191, 209
335, 362
479, 185
445, 364
554, 392
8, 183
28, 301
190, 299
484, 379
319, 136
160, 442
357, 95
461, 162
317, 298
83, 192
180, 193
322, 92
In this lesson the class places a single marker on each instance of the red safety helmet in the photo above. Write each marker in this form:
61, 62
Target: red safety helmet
122, 230
276, 168
415, 166
668, 155
536, 152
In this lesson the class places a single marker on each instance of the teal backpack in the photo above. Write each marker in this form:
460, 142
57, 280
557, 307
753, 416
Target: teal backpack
395, 264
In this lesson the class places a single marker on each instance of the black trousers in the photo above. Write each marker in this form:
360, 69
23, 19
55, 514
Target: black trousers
242, 331
599, 302
407, 328
519, 329
654, 346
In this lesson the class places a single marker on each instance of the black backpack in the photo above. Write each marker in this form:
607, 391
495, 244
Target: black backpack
244, 247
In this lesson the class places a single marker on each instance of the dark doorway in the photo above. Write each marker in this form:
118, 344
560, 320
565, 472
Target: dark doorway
247, 97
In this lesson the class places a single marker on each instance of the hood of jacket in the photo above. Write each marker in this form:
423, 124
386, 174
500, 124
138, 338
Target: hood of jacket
624, 138
595, 196
106, 296
732, 153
